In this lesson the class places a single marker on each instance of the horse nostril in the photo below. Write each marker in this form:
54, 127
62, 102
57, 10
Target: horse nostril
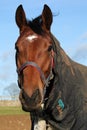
36, 96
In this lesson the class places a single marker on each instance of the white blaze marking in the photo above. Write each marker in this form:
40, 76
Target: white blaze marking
31, 37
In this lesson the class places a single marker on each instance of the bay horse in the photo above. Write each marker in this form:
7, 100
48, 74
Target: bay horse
53, 86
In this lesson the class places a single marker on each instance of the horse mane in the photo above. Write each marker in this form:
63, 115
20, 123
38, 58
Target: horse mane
62, 60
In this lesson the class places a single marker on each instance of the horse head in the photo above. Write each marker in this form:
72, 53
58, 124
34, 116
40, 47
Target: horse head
34, 57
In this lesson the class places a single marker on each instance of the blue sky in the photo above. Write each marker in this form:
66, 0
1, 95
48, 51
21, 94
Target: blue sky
69, 27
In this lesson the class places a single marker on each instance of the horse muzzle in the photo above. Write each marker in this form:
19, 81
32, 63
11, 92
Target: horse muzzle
30, 103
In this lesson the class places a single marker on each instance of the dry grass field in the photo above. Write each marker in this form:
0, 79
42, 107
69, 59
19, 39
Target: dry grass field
13, 118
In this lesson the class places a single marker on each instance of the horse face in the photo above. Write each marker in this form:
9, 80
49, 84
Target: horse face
33, 57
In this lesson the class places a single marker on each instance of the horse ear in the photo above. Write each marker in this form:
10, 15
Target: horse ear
47, 18
20, 17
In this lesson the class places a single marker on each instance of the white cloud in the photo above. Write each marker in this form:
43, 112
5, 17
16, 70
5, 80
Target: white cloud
81, 52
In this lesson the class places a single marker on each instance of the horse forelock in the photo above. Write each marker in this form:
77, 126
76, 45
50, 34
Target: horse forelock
36, 25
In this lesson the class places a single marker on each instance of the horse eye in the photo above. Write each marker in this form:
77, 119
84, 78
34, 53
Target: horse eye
50, 48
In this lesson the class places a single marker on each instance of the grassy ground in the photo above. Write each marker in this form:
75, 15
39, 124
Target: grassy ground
13, 118
11, 111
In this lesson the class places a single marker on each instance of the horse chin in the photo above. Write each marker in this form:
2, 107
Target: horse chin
31, 109
28, 105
